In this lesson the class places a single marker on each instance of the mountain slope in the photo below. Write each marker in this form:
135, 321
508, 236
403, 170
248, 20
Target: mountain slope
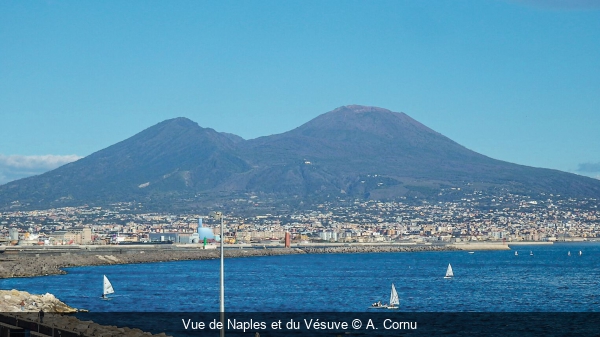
348, 146
353, 150
176, 155
364, 136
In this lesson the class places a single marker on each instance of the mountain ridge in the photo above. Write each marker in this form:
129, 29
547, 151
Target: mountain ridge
358, 151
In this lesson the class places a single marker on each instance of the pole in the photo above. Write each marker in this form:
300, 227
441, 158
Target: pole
222, 281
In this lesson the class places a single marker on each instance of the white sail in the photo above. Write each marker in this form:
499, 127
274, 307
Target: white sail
449, 272
107, 287
394, 300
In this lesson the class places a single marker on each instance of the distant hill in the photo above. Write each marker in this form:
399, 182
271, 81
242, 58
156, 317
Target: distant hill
357, 151
173, 156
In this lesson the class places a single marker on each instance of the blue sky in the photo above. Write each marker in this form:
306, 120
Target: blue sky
514, 80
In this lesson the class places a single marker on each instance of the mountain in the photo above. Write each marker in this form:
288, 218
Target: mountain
363, 152
173, 156
377, 153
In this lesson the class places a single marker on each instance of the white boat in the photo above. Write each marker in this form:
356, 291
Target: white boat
378, 305
516, 253
580, 253
394, 301
107, 288
531, 253
569, 253
449, 273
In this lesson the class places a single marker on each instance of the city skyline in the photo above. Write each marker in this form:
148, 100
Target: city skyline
513, 80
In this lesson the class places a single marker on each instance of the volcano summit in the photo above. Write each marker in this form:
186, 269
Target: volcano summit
353, 151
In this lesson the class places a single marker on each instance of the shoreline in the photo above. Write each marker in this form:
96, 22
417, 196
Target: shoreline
22, 262
530, 243
24, 314
32, 261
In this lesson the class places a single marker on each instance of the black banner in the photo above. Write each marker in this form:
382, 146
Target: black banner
380, 322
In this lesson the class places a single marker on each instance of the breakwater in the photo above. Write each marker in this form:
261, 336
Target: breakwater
481, 246
22, 301
51, 262
24, 262
22, 314
376, 249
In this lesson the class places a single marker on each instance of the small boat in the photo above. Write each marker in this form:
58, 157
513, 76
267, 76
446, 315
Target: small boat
531, 253
471, 252
394, 301
449, 273
107, 288
580, 253
516, 253
569, 253
378, 305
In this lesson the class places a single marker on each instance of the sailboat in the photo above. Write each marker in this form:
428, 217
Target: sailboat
107, 288
580, 253
569, 253
531, 252
394, 301
516, 253
449, 273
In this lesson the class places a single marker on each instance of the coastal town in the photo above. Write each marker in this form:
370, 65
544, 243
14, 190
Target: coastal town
477, 217
419, 224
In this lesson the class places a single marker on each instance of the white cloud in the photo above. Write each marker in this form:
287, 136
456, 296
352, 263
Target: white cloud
589, 167
13, 167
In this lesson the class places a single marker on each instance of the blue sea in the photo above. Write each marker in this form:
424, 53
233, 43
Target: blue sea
486, 281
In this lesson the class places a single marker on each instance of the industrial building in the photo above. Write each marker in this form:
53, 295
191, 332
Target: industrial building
181, 237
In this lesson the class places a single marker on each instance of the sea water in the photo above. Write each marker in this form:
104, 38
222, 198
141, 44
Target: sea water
485, 281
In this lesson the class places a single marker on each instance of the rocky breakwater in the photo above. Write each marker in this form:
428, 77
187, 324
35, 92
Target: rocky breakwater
27, 265
22, 301
377, 249
22, 309
481, 246
38, 262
